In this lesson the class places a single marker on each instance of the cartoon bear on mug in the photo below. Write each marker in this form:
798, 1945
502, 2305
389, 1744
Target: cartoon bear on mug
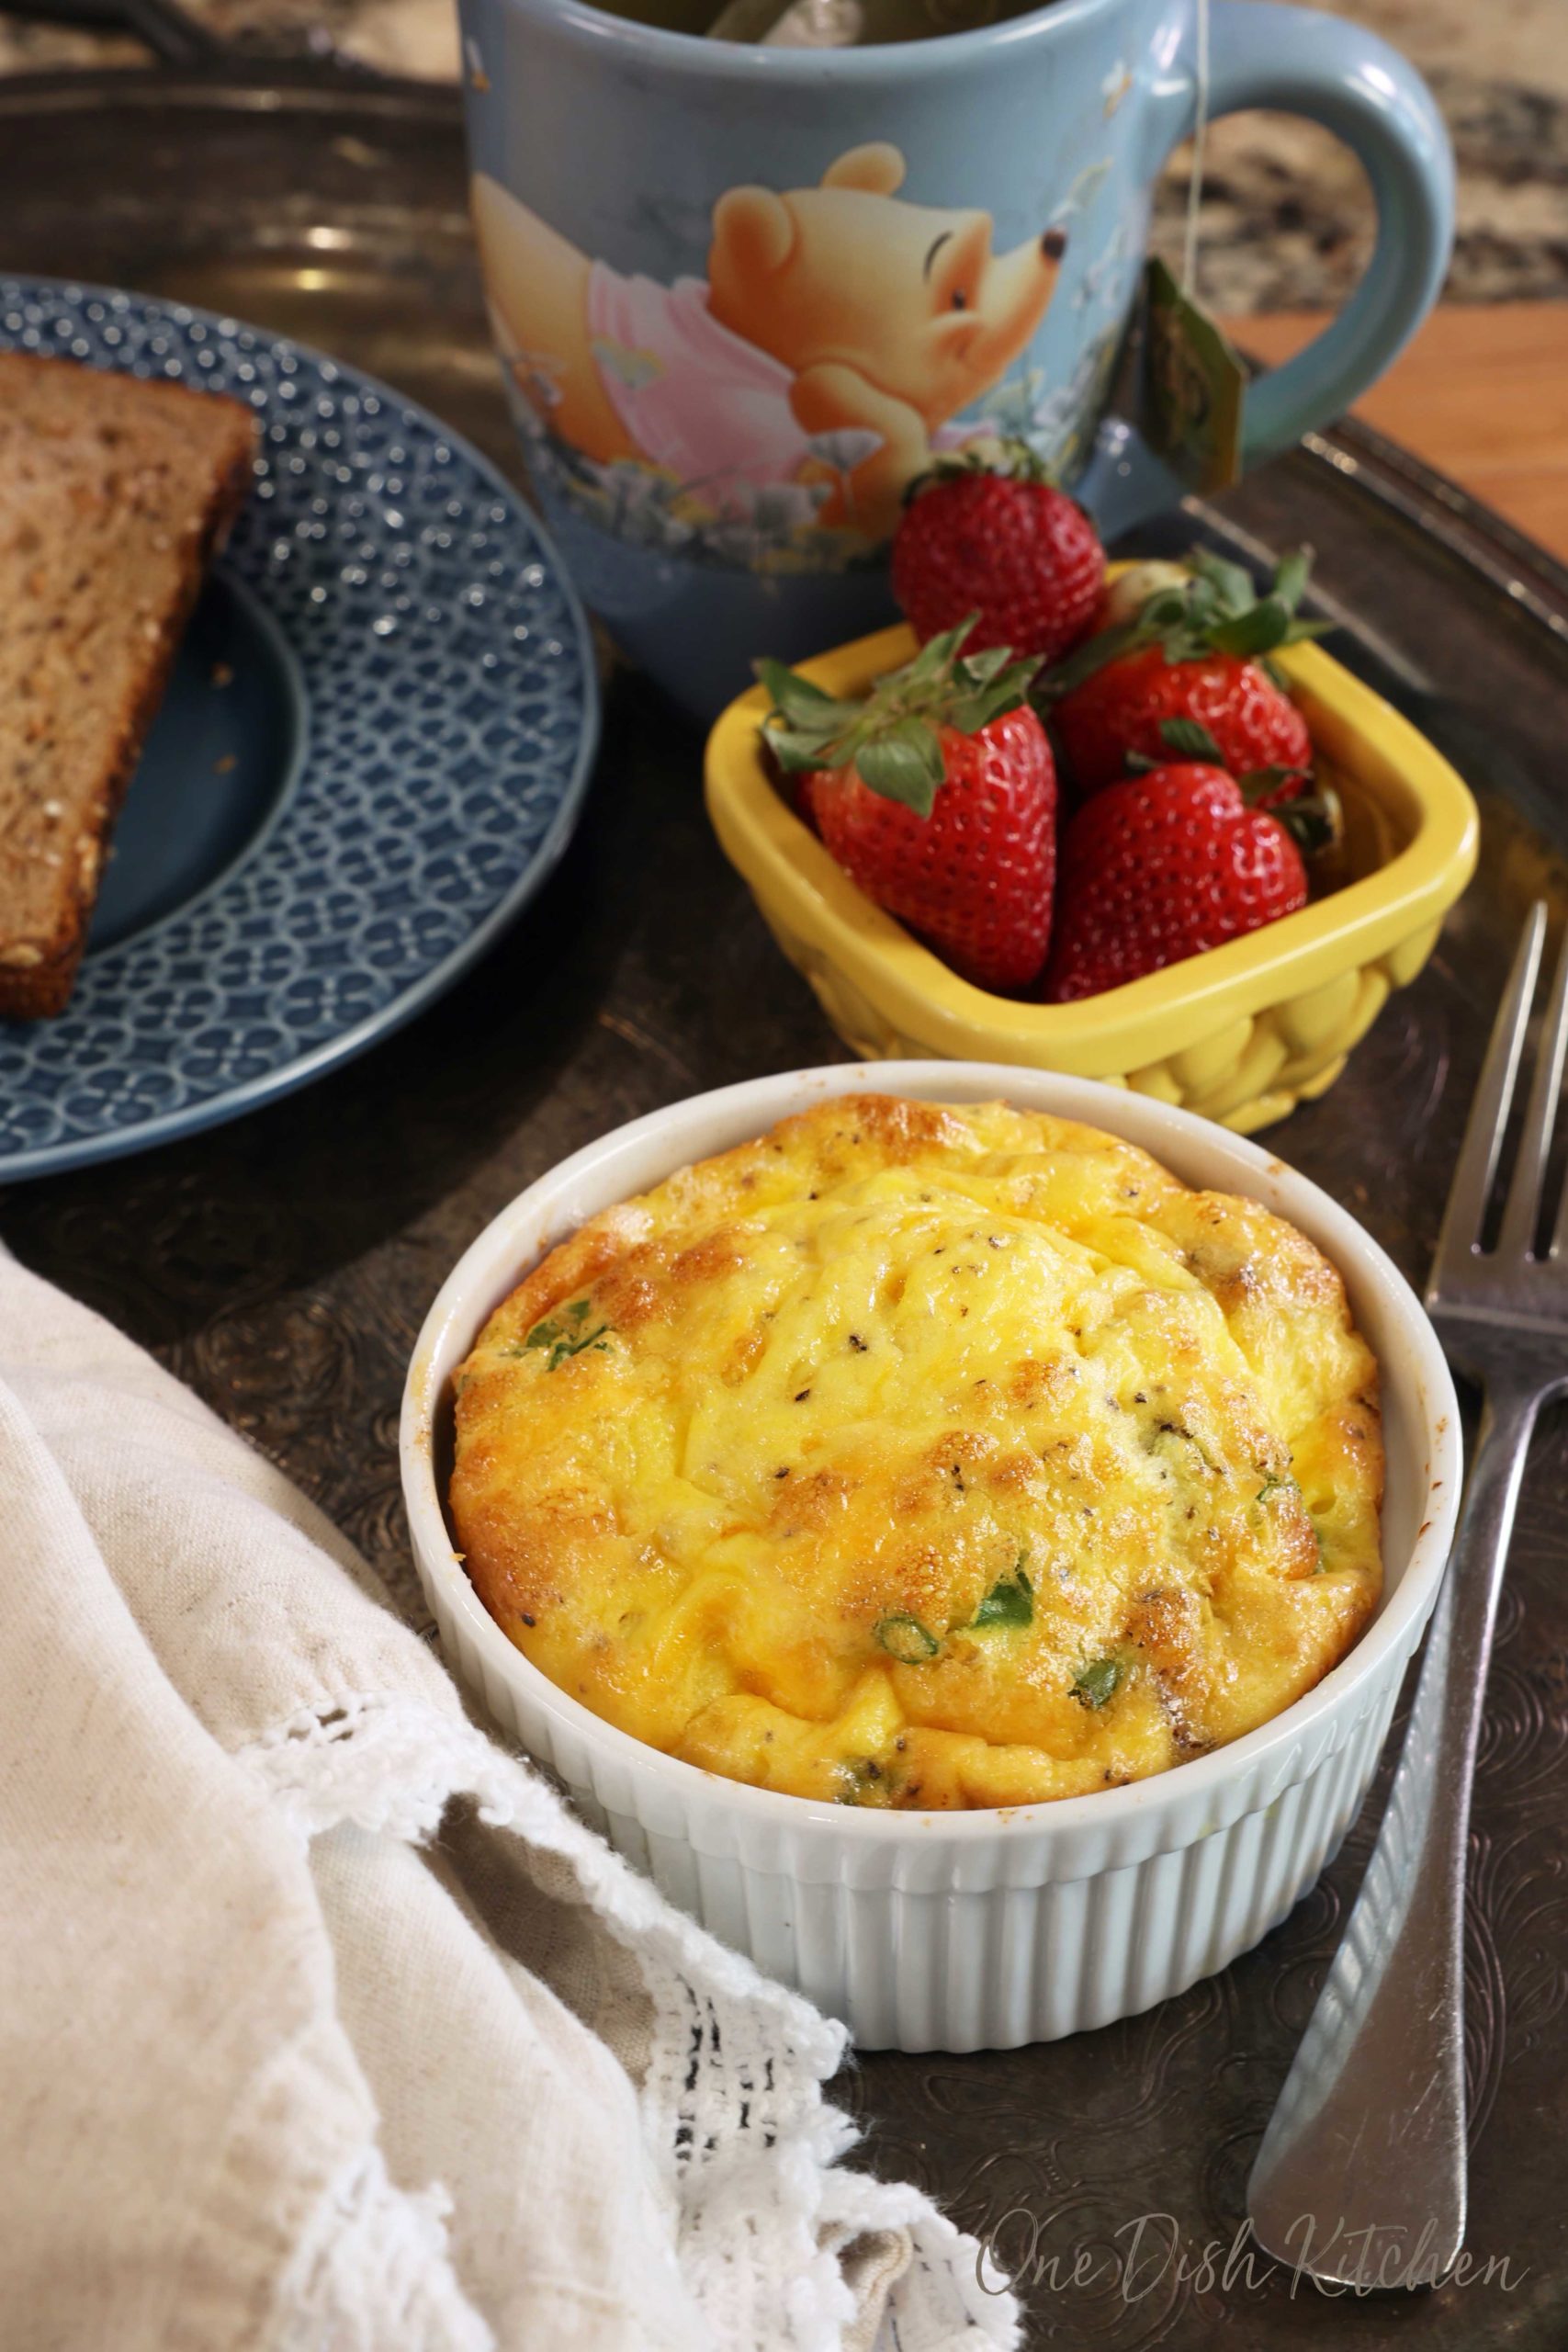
832, 310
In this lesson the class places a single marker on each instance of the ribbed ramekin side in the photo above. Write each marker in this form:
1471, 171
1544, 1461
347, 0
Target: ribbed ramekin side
1014, 1964
990, 1964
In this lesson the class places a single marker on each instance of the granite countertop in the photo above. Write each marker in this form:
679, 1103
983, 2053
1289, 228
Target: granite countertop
1286, 217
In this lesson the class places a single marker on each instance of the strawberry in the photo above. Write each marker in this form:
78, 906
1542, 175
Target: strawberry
1216, 707
937, 792
1185, 676
1004, 545
1161, 867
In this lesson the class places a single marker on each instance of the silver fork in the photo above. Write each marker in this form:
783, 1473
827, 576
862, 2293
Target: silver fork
1360, 2179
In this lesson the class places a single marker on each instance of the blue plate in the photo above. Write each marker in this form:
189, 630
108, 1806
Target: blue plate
372, 751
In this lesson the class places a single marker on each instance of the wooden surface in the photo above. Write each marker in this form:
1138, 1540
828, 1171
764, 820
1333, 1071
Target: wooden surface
1481, 393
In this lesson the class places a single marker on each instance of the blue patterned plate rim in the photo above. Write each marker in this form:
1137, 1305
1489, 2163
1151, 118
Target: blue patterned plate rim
259, 621
364, 501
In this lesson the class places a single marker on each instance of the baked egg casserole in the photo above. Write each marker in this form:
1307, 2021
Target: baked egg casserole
926, 1457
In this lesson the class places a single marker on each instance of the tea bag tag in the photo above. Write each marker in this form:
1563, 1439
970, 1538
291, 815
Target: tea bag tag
1190, 393
1191, 390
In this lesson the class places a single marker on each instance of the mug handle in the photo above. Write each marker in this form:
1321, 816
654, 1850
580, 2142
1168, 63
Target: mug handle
1267, 54
1337, 73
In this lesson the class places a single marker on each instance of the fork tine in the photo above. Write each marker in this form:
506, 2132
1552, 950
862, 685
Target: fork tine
1489, 1112
1523, 1206
1560, 1230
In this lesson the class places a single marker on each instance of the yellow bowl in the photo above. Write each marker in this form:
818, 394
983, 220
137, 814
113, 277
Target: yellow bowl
1241, 1033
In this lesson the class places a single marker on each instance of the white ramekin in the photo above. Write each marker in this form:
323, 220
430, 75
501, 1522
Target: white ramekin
984, 1929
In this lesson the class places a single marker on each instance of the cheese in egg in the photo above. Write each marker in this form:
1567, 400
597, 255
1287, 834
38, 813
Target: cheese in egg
927, 1457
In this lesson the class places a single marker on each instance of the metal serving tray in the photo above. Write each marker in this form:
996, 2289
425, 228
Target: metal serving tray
282, 1266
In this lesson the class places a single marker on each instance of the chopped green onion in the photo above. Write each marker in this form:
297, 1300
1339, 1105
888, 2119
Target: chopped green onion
1093, 1683
904, 1638
562, 1342
1010, 1601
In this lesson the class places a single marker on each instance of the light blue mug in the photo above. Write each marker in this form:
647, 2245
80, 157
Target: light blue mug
743, 294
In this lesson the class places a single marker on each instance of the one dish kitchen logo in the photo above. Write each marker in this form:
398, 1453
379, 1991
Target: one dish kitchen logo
1149, 2256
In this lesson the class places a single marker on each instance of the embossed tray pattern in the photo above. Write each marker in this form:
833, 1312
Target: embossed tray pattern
283, 1265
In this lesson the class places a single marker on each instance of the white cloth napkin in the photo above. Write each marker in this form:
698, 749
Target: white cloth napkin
324, 2025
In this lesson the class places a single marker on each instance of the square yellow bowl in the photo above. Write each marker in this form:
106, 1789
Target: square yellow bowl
1240, 1034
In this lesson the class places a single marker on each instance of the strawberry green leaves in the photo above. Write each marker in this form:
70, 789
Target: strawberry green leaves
1315, 820
810, 725
1190, 739
891, 736
905, 764
1106, 646
1013, 458
1217, 610
1263, 628
1226, 608
1232, 582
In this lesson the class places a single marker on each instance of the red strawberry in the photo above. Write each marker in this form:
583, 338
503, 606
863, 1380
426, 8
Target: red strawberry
1161, 867
1240, 718
1183, 677
1023, 557
937, 792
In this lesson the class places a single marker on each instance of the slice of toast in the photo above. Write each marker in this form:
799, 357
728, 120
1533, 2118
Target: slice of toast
114, 493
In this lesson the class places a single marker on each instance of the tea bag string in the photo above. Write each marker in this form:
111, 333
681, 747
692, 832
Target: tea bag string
1195, 176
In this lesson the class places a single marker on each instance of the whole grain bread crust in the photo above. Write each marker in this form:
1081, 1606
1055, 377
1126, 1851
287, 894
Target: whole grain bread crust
37, 975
